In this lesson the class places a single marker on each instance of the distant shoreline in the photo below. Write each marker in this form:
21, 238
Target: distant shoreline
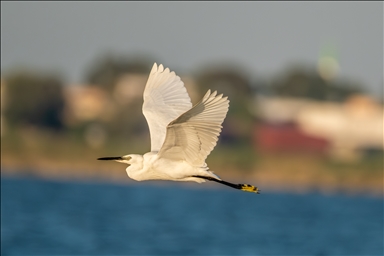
266, 182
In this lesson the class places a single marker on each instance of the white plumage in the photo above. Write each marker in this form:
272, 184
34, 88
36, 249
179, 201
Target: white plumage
182, 136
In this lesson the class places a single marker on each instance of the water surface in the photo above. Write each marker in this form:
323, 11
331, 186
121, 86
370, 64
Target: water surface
40, 217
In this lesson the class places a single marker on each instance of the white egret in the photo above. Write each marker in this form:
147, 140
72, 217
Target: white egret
182, 136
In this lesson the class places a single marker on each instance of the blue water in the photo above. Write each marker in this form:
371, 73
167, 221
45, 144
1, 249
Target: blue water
79, 218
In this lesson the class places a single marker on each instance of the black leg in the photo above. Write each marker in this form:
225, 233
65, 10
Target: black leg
243, 187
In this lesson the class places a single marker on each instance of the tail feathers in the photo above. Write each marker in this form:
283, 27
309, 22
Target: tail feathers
213, 175
243, 187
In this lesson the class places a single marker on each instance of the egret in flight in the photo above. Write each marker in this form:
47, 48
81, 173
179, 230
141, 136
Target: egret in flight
182, 136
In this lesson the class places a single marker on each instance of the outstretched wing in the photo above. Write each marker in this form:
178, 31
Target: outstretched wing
194, 134
165, 98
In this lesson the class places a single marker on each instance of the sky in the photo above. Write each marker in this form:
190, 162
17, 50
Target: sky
263, 37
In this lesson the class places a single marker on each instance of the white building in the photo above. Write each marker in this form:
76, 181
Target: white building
350, 127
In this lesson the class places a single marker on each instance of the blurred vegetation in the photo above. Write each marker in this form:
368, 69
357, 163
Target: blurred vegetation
37, 133
34, 99
303, 82
106, 70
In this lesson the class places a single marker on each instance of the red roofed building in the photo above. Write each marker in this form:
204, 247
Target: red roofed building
287, 138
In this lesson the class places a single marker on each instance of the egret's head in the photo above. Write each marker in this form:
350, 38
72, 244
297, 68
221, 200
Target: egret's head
134, 162
121, 159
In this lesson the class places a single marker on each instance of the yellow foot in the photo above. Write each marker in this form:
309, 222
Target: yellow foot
250, 188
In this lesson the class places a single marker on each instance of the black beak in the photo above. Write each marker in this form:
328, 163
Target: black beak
110, 158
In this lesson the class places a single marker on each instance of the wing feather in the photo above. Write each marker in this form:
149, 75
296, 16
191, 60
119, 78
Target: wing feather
193, 135
165, 98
